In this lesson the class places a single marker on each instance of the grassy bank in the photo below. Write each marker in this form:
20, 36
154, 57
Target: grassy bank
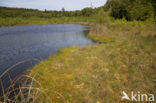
98, 73
38, 20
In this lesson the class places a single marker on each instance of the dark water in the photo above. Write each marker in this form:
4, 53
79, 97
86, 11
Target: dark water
20, 43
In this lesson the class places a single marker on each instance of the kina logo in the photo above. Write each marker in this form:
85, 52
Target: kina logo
137, 96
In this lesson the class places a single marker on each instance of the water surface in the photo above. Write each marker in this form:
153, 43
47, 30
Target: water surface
20, 43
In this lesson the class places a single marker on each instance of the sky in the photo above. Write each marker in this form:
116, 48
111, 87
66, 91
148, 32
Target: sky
52, 4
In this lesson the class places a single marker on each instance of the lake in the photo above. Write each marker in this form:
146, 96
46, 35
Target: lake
24, 43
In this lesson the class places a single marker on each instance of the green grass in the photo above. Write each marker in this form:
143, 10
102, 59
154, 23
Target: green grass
37, 20
98, 73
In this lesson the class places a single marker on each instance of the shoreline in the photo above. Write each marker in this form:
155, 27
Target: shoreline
89, 70
74, 67
81, 23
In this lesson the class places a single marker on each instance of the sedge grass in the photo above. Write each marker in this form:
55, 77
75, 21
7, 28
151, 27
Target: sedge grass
98, 73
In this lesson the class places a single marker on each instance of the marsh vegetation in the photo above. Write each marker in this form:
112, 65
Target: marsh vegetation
98, 73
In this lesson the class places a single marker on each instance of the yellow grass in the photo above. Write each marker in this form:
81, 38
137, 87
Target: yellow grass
98, 73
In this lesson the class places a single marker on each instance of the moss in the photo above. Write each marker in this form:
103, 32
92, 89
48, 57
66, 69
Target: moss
98, 73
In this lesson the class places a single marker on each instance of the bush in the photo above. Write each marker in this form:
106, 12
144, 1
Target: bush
132, 9
138, 11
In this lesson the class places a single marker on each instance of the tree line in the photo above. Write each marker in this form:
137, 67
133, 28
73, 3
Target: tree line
21, 12
119, 9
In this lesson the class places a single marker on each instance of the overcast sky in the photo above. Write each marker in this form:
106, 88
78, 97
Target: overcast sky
52, 4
